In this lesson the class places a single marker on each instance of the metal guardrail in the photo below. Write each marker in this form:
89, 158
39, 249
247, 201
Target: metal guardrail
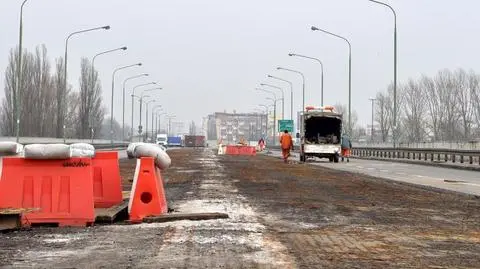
425, 154
416, 154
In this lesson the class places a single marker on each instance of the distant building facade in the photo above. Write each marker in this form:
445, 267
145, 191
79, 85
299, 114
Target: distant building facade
231, 127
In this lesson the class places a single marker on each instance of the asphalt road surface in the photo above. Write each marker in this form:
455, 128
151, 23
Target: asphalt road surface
280, 216
459, 180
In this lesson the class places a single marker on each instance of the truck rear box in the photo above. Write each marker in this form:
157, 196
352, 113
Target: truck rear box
194, 141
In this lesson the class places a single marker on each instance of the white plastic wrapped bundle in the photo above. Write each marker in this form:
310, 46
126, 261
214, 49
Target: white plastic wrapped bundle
82, 150
10, 148
47, 151
131, 149
162, 160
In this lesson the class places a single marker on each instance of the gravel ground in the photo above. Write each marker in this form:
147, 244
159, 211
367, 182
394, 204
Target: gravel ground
281, 216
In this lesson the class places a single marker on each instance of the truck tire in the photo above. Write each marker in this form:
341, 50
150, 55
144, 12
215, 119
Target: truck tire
302, 158
330, 159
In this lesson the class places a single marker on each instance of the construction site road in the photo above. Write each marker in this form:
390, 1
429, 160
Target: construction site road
452, 179
280, 216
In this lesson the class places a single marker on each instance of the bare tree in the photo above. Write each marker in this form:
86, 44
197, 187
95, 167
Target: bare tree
434, 106
383, 114
58, 81
91, 112
8, 108
463, 96
445, 84
414, 111
473, 81
342, 109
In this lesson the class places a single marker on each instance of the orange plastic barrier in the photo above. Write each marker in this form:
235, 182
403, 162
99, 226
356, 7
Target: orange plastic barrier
61, 190
231, 150
148, 196
107, 183
241, 150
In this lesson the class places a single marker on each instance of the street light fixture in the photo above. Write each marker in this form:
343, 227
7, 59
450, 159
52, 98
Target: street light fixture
59, 109
303, 83
153, 116
283, 96
170, 117
93, 86
123, 106
321, 66
349, 74
113, 88
291, 92
133, 103
159, 127
394, 69
19, 75
146, 117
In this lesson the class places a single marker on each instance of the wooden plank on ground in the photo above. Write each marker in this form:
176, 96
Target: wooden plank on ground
185, 216
109, 215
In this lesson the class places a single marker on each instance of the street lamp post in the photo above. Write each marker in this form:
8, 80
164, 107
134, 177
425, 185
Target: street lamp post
59, 109
19, 75
113, 88
373, 105
321, 66
291, 93
283, 96
349, 74
274, 118
153, 117
133, 102
303, 83
266, 114
93, 85
394, 69
169, 132
159, 127
123, 106
146, 118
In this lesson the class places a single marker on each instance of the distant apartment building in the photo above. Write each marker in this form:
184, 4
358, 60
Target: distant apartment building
231, 127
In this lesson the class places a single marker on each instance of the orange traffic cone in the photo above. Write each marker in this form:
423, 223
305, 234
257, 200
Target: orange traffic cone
148, 196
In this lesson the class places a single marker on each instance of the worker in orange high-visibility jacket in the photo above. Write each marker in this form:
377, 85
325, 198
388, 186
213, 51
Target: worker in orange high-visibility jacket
286, 143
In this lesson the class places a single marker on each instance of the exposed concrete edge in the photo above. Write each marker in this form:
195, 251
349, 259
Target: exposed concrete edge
426, 163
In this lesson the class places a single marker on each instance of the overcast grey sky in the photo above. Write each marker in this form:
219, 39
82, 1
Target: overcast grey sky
209, 55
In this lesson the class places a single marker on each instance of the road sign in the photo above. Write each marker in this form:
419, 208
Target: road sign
285, 125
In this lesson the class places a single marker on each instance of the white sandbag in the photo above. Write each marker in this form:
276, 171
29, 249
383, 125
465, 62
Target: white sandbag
82, 150
162, 160
47, 151
10, 148
131, 149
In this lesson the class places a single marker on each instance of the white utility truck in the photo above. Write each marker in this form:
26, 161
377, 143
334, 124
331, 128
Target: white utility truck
320, 133
162, 139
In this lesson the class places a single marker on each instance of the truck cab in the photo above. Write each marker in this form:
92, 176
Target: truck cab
162, 140
320, 134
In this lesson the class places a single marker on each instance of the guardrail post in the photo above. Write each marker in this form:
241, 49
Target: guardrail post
431, 156
453, 157
461, 158
470, 159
